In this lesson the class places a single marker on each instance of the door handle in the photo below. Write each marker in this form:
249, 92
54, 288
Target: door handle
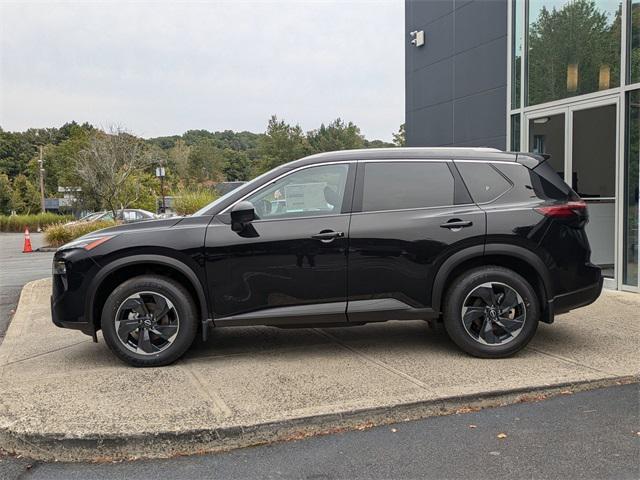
327, 236
456, 224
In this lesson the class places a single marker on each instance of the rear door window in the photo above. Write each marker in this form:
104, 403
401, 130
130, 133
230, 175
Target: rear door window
404, 185
484, 182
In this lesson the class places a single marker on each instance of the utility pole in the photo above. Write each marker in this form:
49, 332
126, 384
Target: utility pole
41, 171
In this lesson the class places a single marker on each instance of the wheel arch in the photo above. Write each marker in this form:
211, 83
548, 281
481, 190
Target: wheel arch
513, 257
118, 270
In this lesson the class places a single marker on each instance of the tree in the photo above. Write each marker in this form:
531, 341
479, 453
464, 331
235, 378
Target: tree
107, 166
335, 136
25, 198
400, 138
237, 165
6, 193
577, 36
282, 143
205, 162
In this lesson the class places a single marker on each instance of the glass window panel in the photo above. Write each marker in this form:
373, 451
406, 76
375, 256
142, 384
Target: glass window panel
399, 185
312, 191
630, 199
516, 52
484, 182
634, 43
574, 48
546, 135
515, 133
593, 177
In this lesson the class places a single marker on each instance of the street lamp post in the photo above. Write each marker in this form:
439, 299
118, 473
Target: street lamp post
160, 174
41, 172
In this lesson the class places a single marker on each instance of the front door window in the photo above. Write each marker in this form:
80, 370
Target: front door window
309, 192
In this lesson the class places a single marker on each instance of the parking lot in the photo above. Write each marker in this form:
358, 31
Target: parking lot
67, 398
17, 269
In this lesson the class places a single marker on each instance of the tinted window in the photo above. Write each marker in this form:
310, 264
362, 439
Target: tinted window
483, 181
312, 191
399, 185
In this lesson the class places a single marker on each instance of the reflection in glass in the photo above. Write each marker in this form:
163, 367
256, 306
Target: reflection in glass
515, 133
593, 177
634, 41
630, 199
574, 48
546, 135
516, 52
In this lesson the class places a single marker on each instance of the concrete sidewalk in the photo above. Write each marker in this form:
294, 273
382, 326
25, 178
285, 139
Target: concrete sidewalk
63, 397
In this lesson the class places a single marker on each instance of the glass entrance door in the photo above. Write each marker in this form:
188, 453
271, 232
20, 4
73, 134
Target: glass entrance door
593, 177
582, 140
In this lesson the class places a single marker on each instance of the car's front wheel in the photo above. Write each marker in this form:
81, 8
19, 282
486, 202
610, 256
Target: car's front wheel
149, 321
491, 312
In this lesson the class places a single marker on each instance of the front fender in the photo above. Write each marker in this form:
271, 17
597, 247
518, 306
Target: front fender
122, 262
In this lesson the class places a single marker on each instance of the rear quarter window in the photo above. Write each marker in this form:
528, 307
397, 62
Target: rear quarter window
484, 182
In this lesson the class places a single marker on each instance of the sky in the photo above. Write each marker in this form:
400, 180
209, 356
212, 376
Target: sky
161, 68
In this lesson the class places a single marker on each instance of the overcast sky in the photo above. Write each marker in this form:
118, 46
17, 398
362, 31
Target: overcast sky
160, 68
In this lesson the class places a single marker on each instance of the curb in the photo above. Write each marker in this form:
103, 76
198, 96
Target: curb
46, 249
61, 447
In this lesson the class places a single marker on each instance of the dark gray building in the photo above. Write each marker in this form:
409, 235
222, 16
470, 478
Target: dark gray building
560, 77
456, 83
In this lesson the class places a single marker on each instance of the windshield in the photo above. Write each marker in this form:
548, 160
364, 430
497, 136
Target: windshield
221, 199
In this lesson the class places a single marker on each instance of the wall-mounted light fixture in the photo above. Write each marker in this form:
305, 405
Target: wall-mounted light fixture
604, 77
572, 77
417, 38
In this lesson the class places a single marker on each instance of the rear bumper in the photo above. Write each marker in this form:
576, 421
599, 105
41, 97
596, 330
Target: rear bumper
577, 298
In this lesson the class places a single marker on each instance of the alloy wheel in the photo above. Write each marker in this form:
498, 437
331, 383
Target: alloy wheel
147, 323
493, 313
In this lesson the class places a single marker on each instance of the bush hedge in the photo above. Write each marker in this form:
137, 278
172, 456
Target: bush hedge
58, 235
17, 223
187, 202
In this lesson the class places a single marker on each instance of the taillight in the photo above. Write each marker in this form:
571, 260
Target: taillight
564, 210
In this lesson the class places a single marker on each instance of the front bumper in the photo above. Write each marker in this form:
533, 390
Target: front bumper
77, 323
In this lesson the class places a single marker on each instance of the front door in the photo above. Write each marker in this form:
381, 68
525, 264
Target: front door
292, 259
582, 142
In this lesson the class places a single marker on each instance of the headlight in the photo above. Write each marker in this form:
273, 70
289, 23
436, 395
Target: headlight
87, 243
59, 267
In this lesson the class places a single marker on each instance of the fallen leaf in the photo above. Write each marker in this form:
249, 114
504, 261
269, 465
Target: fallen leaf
472, 426
394, 430
502, 435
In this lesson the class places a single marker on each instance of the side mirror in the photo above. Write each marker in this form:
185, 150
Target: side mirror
242, 214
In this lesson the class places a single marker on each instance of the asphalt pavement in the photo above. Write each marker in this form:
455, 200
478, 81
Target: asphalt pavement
16, 269
588, 435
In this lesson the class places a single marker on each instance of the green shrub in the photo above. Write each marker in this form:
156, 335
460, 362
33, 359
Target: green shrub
17, 223
57, 235
187, 202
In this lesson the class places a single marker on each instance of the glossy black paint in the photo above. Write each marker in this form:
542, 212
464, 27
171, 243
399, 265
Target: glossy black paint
347, 267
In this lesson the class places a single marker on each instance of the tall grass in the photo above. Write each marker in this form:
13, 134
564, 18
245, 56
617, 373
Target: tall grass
17, 223
57, 235
187, 202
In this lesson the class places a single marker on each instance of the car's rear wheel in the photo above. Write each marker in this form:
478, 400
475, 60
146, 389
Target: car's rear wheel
491, 312
149, 321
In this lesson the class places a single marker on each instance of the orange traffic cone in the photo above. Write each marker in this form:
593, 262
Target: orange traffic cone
27, 242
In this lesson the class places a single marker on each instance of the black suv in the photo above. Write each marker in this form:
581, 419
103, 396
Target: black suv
488, 242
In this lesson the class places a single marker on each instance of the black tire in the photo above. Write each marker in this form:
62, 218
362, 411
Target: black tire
502, 280
183, 313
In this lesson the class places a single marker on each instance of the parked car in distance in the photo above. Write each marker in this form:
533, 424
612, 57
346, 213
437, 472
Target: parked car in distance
128, 215
490, 243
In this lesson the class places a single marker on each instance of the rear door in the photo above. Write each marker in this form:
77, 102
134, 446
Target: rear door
408, 217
